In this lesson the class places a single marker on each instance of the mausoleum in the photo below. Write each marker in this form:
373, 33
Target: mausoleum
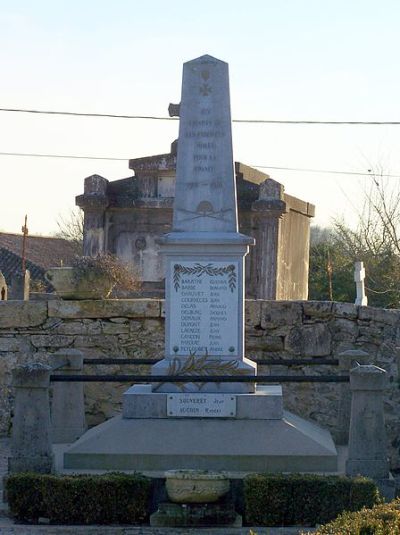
125, 217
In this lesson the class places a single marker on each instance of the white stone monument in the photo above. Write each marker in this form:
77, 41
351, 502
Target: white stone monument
232, 426
204, 253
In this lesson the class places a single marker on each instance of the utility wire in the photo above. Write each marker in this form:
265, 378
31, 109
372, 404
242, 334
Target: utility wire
367, 173
159, 118
298, 169
67, 156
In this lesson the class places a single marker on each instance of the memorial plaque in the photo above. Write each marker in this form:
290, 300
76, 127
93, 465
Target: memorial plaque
204, 308
201, 405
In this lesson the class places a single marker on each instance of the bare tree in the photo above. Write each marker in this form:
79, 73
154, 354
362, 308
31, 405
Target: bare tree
71, 228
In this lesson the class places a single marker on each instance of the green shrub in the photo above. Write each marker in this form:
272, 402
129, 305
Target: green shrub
83, 499
304, 499
382, 519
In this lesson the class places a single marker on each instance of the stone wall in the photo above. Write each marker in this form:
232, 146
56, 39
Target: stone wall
274, 329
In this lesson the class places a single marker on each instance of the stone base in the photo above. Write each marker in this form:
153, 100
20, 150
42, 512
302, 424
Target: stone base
265, 404
66, 435
195, 515
42, 464
155, 445
375, 469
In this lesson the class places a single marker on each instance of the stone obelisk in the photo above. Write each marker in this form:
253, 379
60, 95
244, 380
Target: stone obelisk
204, 253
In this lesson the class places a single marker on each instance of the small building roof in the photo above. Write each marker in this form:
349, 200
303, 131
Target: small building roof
41, 253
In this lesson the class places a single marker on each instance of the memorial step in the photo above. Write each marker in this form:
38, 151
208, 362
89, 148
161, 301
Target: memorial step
290, 444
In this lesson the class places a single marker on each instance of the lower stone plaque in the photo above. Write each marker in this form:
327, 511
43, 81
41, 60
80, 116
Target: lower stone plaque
201, 405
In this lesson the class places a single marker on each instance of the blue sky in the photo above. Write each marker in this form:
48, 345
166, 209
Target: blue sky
289, 59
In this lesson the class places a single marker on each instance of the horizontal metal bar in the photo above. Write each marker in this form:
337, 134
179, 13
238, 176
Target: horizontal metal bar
261, 362
201, 379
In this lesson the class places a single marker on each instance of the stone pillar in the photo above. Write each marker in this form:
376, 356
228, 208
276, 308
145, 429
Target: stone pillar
268, 210
3, 288
19, 287
367, 437
94, 202
68, 407
347, 361
31, 449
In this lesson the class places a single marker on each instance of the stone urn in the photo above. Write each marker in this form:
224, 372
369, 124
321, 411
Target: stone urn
69, 284
196, 486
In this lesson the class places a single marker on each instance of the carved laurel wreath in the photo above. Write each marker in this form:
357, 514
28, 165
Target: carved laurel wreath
208, 269
202, 366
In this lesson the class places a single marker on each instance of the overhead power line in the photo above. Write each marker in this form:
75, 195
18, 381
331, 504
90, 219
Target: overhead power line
160, 118
359, 173
67, 156
109, 158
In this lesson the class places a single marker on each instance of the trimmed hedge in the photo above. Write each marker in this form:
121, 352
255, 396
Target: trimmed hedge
304, 499
382, 519
84, 499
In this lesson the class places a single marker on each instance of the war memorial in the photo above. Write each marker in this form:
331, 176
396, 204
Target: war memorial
202, 412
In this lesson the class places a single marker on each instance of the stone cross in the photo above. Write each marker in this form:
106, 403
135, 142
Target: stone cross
204, 253
359, 277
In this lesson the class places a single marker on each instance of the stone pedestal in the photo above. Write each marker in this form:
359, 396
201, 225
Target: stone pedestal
19, 287
205, 310
367, 437
196, 515
347, 360
259, 437
31, 449
68, 406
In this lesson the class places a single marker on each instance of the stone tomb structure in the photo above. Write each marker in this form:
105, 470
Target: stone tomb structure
126, 217
233, 426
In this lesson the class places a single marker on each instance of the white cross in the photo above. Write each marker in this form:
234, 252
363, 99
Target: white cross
359, 277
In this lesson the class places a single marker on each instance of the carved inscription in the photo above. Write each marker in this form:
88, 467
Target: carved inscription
201, 405
204, 308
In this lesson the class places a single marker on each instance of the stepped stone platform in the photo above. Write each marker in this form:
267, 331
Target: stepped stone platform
260, 438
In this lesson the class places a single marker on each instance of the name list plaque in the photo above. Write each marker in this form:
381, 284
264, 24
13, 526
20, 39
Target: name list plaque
201, 405
204, 308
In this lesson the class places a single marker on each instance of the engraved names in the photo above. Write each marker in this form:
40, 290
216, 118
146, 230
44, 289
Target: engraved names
201, 405
204, 308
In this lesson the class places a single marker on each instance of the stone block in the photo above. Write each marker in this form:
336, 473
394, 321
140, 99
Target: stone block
22, 314
68, 407
252, 312
280, 313
345, 310
13, 344
367, 436
105, 308
318, 309
31, 445
309, 340
381, 315
51, 340
265, 404
344, 329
